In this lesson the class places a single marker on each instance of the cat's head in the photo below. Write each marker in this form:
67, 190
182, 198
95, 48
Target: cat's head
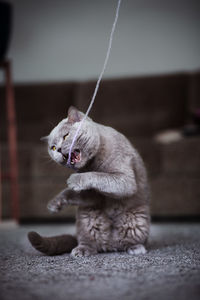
85, 146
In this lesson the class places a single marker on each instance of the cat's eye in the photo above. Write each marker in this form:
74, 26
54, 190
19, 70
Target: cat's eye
65, 136
53, 148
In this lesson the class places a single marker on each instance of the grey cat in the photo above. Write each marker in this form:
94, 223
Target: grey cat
110, 188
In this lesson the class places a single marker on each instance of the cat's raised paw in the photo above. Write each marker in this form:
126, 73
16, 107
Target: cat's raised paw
74, 182
137, 250
82, 251
54, 205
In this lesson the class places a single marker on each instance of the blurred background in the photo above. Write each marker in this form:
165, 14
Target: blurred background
150, 92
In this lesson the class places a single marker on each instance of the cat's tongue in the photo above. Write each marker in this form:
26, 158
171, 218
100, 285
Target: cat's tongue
75, 156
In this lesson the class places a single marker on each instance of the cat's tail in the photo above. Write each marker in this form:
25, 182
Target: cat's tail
54, 245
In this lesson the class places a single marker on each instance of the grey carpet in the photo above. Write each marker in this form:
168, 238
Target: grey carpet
170, 269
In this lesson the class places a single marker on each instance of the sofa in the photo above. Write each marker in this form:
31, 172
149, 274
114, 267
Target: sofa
140, 107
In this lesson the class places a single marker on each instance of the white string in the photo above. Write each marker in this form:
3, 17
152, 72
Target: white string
98, 82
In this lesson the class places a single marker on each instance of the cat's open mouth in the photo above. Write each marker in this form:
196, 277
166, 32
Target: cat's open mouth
75, 156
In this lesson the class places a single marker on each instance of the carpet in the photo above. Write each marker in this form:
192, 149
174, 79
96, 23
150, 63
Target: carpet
169, 270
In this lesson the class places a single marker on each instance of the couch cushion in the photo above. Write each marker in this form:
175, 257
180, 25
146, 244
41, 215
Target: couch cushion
150, 153
181, 158
194, 91
137, 106
175, 196
39, 107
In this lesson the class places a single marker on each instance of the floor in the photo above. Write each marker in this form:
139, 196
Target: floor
169, 270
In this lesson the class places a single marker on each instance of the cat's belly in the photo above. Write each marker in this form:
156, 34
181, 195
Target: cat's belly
113, 229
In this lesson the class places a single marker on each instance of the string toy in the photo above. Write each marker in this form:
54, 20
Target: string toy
98, 82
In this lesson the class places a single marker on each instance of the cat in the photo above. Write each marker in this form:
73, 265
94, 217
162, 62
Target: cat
110, 188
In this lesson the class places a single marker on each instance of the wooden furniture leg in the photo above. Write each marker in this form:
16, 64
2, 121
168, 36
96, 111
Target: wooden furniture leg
12, 140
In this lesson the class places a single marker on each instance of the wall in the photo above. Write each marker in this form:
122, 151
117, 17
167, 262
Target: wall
67, 39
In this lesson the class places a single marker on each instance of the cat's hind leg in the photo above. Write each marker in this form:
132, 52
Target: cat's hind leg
132, 230
93, 232
83, 250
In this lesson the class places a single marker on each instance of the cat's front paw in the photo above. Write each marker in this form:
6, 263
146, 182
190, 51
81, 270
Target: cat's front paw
136, 250
55, 205
75, 182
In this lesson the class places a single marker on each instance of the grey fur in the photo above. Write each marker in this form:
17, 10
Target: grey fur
110, 187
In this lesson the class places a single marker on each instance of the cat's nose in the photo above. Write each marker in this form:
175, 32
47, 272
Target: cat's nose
59, 150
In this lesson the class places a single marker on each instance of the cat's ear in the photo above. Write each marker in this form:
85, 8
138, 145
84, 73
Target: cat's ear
44, 138
74, 115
